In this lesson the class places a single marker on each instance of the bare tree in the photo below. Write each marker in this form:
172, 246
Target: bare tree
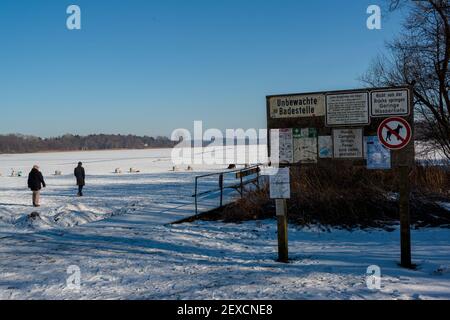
419, 56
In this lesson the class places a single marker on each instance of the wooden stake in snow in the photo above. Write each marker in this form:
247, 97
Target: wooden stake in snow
280, 190
405, 224
283, 251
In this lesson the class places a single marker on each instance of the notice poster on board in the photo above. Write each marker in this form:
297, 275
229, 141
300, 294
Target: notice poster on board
347, 109
286, 148
305, 145
378, 156
348, 143
388, 103
325, 147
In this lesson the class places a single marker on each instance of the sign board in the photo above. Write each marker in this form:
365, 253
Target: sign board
386, 103
359, 126
395, 133
280, 184
364, 109
297, 106
305, 145
378, 156
347, 109
348, 143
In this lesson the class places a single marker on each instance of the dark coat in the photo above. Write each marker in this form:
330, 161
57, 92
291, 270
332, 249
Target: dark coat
35, 180
80, 175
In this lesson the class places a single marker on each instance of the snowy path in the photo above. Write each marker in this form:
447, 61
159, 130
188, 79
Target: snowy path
131, 252
129, 259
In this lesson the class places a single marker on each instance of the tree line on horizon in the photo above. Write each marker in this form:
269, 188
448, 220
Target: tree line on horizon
17, 143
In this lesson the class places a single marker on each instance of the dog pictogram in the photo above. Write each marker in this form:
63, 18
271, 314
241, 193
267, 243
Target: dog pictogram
395, 131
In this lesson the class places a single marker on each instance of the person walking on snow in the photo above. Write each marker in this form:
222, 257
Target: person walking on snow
35, 183
80, 175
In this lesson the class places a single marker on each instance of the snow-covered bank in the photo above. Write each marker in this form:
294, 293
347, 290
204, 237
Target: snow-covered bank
135, 259
121, 239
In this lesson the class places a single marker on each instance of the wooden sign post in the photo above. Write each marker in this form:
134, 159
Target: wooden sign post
280, 190
283, 251
395, 134
405, 223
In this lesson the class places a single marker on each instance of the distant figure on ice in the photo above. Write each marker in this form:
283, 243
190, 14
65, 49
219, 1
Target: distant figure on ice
80, 175
35, 183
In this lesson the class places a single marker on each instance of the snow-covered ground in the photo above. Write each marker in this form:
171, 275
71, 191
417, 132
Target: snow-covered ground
121, 239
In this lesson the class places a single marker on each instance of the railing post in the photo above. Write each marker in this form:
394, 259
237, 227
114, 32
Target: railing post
242, 187
196, 179
257, 178
221, 189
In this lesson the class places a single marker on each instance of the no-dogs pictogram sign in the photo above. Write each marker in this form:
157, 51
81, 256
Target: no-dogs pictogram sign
395, 133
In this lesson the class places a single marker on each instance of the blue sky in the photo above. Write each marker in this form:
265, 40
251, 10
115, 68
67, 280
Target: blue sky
148, 67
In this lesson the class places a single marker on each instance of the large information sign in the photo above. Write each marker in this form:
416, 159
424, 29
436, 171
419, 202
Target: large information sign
320, 127
347, 109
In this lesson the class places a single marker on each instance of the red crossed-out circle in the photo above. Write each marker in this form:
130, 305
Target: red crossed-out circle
405, 139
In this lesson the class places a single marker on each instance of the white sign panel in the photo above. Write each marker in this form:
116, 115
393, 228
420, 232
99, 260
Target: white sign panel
298, 106
348, 143
280, 184
347, 109
390, 103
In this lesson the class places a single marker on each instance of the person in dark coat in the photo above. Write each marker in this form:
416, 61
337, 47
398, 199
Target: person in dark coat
35, 183
80, 175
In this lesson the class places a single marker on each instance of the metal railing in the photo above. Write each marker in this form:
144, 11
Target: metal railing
231, 179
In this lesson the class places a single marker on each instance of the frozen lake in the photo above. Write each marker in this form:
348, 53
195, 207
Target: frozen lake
106, 193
